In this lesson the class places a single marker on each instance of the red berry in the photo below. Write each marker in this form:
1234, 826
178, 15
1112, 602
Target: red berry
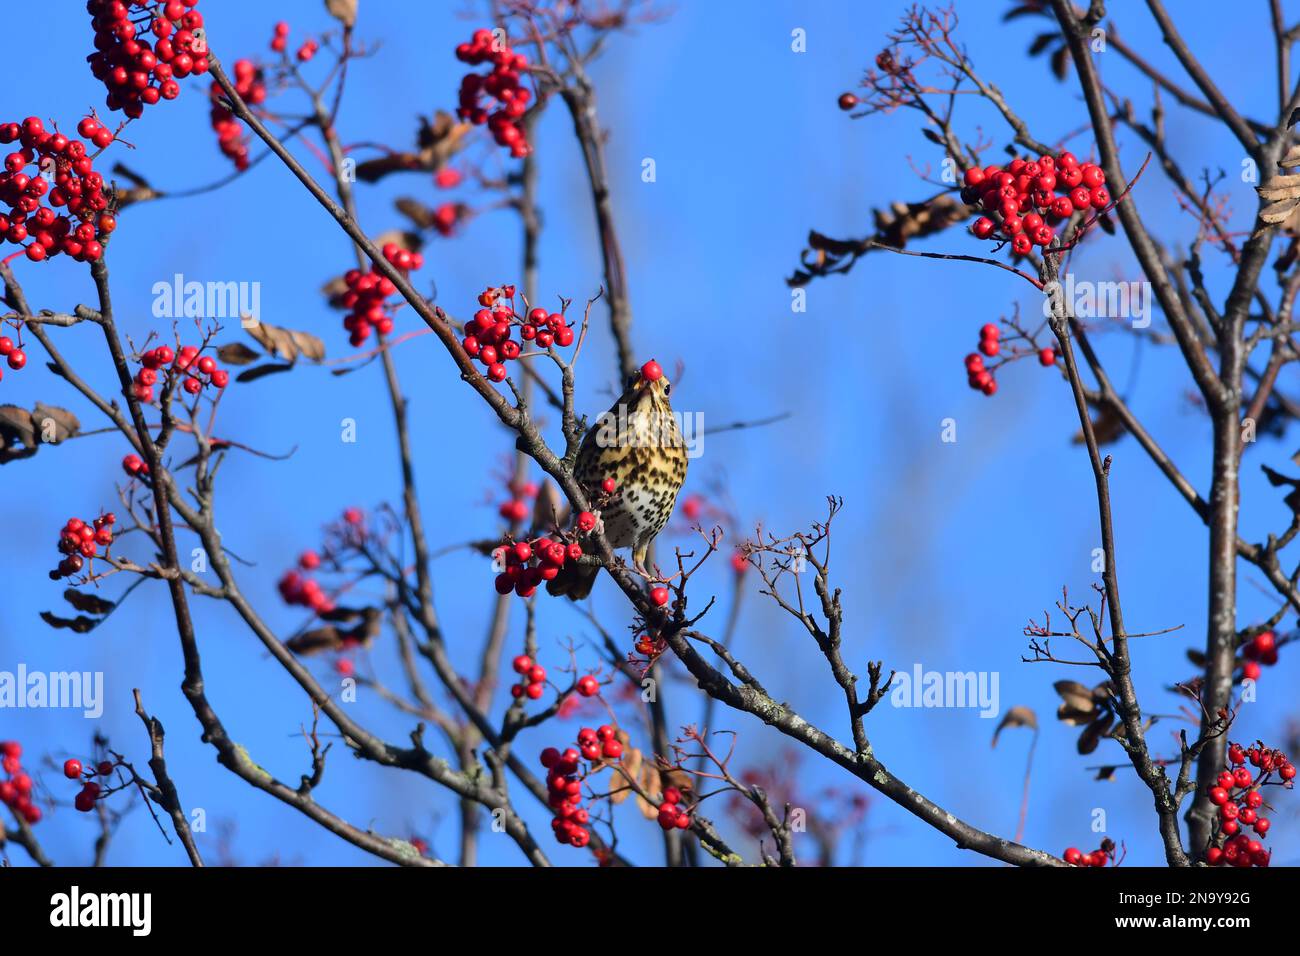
72, 769
659, 596
588, 686
651, 371
1046, 357
522, 664
847, 101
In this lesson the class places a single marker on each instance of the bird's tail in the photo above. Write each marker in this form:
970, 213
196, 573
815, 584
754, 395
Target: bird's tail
574, 581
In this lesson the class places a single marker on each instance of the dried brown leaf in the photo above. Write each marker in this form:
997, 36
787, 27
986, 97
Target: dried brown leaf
237, 353
344, 11
1019, 716
53, 424
79, 624
88, 603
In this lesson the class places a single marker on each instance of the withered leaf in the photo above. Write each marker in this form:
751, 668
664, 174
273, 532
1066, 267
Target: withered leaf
1018, 716
1042, 42
79, 624
1107, 428
1106, 773
318, 639
89, 603
16, 426
421, 216
332, 637
1061, 62
344, 11
1091, 737
650, 783
53, 424
619, 788
21, 431
549, 509
894, 226
1077, 707
287, 343
237, 353
1277, 479
334, 289
436, 143
260, 371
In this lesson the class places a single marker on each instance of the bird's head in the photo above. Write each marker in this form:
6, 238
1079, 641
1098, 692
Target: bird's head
648, 384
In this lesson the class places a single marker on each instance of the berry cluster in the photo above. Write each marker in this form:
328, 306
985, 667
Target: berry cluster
650, 645
13, 354
1262, 649
529, 563
515, 508
80, 541
1238, 796
488, 335
532, 683
672, 815
564, 794
980, 377
191, 369
599, 744
1098, 857
135, 466
1021, 200
16, 792
64, 176
137, 74
280, 38
90, 791
501, 85
295, 588
367, 293
230, 135
977, 376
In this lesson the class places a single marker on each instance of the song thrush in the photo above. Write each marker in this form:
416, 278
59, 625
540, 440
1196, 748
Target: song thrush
639, 445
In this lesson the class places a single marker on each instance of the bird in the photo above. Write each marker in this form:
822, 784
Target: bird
638, 446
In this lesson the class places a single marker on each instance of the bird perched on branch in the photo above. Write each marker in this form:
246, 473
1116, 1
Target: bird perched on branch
637, 450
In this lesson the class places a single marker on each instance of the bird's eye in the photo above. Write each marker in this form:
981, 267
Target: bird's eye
667, 387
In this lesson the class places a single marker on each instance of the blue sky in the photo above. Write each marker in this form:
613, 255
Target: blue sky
943, 550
